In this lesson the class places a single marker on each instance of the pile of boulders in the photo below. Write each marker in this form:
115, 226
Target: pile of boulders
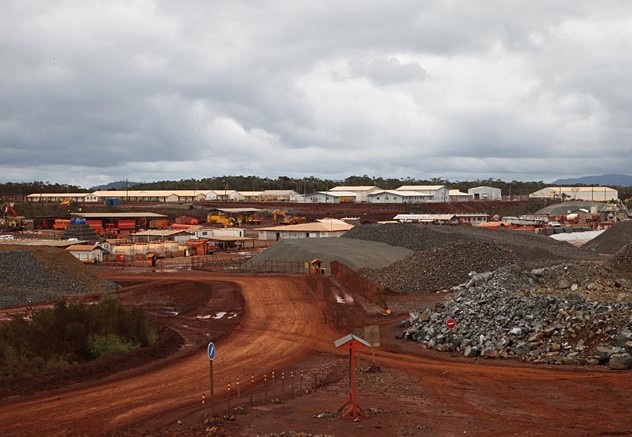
413, 237
513, 313
440, 268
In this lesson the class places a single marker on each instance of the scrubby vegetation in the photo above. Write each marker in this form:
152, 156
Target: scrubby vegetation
70, 334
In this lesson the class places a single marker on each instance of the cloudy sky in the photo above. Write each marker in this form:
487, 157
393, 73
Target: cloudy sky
96, 91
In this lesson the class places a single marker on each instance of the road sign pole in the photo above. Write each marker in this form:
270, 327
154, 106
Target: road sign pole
212, 397
211, 357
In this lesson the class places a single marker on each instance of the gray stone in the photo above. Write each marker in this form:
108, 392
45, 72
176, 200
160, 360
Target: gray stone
620, 361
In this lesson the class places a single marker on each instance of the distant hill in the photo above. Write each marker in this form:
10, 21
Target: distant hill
118, 185
619, 180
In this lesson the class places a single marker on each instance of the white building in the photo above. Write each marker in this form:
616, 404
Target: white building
323, 228
86, 253
179, 236
248, 196
171, 196
395, 196
331, 197
597, 194
361, 191
222, 195
280, 196
439, 193
60, 197
485, 193
457, 196
430, 219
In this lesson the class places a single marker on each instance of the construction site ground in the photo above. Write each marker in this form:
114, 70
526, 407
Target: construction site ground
287, 324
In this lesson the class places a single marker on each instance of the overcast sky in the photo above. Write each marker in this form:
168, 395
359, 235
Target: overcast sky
97, 91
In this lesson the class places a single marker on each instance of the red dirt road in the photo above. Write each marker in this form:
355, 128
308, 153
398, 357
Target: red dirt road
287, 317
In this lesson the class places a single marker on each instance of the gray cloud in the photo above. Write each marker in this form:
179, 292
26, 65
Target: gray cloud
94, 91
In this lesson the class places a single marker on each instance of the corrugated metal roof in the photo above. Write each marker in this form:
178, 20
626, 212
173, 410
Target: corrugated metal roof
420, 187
117, 215
150, 193
60, 195
50, 243
161, 233
278, 192
401, 193
236, 210
83, 248
458, 193
337, 193
354, 188
327, 226
419, 217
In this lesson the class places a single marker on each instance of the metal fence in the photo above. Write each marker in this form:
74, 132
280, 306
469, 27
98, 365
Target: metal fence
358, 283
245, 265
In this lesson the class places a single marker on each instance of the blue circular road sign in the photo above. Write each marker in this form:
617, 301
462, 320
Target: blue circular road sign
211, 351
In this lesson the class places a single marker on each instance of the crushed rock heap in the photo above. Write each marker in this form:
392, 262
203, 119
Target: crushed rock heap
444, 255
40, 274
564, 314
612, 240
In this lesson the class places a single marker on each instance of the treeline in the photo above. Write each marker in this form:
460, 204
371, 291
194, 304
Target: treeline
308, 184
18, 190
68, 334
312, 183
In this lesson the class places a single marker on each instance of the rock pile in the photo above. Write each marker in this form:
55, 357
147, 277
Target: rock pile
622, 261
416, 238
612, 240
442, 267
510, 313
39, 274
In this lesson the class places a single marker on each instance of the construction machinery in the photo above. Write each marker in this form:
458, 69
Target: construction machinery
10, 220
222, 220
283, 218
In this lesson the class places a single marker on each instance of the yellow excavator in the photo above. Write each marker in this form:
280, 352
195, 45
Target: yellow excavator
283, 218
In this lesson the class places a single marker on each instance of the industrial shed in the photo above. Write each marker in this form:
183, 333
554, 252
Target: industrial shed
322, 228
395, 196
439, 193
485, 193
598, 194
431, 219
179, 236
331, 197
457, 196
361, 191
87, 253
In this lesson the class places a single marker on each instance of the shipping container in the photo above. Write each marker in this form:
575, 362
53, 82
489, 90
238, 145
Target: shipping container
158, 224
129, 224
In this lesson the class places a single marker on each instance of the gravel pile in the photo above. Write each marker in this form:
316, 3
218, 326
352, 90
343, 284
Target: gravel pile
622, 261
442, 267
547, 315
412, 237
356, 254
41, 274
612, 240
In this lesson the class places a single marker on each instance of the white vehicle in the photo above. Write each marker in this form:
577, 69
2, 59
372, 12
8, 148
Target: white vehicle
7, 237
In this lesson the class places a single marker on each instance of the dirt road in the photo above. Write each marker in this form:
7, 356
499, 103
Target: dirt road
285, 318
283, 321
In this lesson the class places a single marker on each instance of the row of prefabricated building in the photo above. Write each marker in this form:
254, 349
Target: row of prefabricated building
340, 194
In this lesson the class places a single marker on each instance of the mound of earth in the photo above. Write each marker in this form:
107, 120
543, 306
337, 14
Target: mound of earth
40, 274
612, 240
530, 249
442, 267
622, 261
354, 253
412, 237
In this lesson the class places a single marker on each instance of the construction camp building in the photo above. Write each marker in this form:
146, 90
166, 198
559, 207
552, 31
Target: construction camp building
597, 194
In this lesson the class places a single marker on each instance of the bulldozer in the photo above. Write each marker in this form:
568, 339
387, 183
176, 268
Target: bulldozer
222, 220
283, 218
